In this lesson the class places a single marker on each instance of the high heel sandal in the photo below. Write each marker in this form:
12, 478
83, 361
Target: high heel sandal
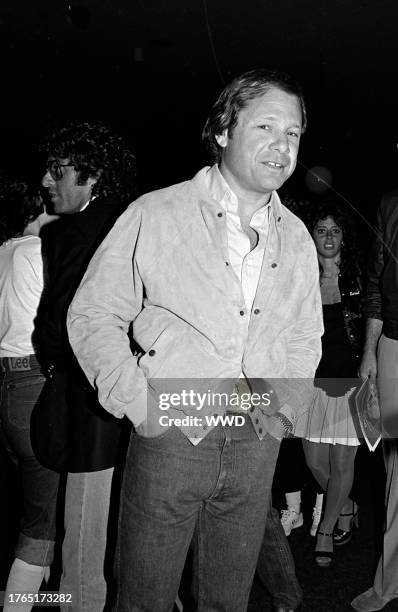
342, 536
323, 558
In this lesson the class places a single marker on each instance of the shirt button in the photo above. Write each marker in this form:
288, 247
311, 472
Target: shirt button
260, 431
256, 311
227, 263
279, 218
151, 353
242, 312
256, 421
273, 265
219, 214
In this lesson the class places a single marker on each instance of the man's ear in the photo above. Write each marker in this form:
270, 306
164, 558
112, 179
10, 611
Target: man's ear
222, 139
93, 179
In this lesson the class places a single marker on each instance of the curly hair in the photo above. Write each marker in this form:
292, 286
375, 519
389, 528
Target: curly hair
20, 204
329, 206
95, 151
235, 97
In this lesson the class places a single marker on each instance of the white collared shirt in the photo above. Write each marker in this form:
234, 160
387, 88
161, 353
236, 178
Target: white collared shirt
245, 263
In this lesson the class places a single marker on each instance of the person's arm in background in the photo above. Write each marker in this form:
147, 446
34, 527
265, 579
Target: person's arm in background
372, 303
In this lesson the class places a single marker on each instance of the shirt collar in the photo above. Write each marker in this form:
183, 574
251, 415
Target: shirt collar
223, 194
87, 203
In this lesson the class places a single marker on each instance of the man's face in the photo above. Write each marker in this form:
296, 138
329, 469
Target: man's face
66, 195
261, 153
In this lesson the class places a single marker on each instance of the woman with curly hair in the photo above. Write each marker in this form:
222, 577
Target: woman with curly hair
22, 216
329, 432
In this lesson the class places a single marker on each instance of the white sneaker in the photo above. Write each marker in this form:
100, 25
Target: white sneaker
316, 519
291, 519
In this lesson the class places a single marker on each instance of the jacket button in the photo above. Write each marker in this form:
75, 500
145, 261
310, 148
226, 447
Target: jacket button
227, 263
260, 431
273, 265
279, 218
219, 214
241, 312
256, 311
152, 352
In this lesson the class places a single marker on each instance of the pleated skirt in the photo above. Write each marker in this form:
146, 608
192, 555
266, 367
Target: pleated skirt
331, 420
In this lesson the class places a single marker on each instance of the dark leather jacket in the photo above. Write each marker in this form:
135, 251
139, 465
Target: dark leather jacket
381, 299
351, 297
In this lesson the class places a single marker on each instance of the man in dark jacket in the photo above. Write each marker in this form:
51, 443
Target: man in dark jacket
380, 359
89, 177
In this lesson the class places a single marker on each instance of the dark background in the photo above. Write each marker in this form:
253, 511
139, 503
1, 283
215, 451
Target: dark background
152, 69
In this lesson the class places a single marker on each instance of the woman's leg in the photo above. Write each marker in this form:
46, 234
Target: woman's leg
342, 459
317, 456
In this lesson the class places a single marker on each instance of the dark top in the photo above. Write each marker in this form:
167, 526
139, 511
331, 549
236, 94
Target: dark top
381, 299
68, 245
337, 370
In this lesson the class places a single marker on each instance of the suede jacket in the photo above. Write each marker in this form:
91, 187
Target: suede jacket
164, 269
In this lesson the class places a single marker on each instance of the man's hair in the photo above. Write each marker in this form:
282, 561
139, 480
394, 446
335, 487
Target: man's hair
235, 97
95, 151
20, 204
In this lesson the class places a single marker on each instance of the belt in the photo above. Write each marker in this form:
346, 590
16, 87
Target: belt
22, 363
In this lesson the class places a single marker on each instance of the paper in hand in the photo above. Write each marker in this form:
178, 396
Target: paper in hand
368, 411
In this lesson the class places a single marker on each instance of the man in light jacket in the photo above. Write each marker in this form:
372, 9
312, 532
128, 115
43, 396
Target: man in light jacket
219, 284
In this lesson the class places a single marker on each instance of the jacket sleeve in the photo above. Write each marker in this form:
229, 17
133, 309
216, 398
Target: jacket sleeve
373, 300
107, 301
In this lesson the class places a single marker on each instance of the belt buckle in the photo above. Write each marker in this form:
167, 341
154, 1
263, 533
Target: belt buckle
19, 364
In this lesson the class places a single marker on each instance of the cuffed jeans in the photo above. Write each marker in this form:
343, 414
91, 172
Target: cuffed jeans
19, 393
221, 486
83, 551
275, 566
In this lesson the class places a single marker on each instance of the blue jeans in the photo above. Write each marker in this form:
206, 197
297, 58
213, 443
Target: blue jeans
275, 566
19, 393
222, 488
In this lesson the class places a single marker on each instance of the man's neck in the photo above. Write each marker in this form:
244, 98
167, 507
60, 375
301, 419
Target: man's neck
248, 202
247, 208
